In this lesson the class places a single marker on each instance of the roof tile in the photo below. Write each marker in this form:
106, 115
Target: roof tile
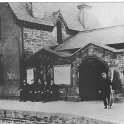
22, 14
100, 37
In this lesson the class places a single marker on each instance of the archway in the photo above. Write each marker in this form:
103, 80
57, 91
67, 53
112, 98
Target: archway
89, 78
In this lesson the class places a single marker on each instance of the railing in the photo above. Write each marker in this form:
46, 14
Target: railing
117, 97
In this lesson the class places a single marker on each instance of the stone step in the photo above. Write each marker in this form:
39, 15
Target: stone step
45, 118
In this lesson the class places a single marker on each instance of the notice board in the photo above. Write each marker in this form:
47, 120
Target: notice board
30, 75
62, 74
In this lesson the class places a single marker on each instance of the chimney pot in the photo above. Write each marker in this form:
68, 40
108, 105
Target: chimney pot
38, 10
81, 13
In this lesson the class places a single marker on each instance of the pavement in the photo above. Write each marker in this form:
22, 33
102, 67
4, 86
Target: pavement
91, 109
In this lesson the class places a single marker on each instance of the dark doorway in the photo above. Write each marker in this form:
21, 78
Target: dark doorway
89, 78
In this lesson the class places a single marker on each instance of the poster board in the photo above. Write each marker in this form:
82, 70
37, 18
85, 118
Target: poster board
62, 74
30, 75
121, 65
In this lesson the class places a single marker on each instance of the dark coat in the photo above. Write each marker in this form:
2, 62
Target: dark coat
105, 86
40, 87
46, 88
53, 88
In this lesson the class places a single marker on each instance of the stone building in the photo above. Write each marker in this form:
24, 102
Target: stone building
85, 60
53, 45
23, 33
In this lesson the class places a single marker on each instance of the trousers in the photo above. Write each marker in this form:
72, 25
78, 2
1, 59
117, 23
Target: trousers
106, 99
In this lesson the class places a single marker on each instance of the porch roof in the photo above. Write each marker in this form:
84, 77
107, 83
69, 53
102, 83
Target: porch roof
101, 37
48, 52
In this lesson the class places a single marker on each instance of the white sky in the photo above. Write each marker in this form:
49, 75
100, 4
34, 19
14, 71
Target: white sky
109, 13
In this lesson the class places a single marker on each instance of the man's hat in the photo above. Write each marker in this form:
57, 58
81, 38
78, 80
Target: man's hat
103, 73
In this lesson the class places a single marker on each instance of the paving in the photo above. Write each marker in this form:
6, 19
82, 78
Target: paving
90, 109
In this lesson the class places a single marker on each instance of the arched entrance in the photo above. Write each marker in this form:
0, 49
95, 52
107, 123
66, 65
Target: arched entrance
89, 78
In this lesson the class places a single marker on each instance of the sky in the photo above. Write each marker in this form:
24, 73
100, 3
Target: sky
109, 13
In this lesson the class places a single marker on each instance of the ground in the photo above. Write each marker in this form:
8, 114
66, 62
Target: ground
91, 109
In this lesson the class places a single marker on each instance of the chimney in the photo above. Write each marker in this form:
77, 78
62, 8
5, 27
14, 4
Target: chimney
38, 10
28, 6
81, 13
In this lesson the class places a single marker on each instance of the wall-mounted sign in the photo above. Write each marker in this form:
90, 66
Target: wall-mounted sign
121, 65
62, 74
30, 76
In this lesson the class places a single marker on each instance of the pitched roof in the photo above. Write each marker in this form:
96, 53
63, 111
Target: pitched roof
99, 16
64, 54
68, 15
37, 56
22, 14
100, 37
71, 20
59, 54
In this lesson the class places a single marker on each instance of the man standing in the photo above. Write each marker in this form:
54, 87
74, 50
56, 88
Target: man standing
40, 90
24, 91
53, 91
105, 90
45, 92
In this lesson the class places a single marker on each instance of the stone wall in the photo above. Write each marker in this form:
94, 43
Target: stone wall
19, 117
89, 51
34, 40
71, 92
11, 52
108, 58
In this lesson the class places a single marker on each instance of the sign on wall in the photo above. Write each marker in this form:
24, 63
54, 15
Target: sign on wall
121, 65
62, 74
30, 76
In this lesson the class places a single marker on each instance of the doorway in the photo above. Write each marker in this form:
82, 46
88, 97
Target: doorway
89, 78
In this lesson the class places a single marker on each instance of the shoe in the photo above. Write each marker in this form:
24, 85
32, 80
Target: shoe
105, 107
109, 107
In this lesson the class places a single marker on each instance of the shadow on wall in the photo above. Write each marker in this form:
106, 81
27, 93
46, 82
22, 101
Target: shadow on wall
1, 91
116, 81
